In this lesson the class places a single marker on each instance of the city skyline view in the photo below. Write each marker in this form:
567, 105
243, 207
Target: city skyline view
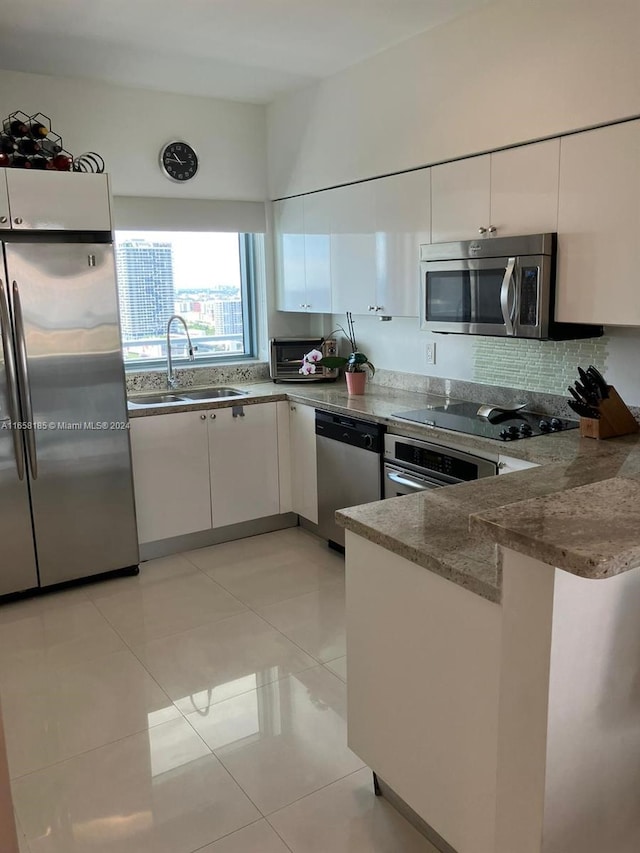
196, 275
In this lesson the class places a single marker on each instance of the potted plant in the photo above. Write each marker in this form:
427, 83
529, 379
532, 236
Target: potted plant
355, 365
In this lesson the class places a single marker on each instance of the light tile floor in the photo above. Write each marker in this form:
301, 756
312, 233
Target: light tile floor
200, 706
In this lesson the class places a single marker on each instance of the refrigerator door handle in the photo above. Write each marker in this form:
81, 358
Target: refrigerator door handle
12, 378
24, 380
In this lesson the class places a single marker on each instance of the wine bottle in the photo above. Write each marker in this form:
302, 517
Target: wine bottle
7, 144
16, 127
38, 130
39, 162
62, 162
28, 146
19, 161
50, 147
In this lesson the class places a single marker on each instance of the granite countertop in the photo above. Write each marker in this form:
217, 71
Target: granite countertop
442, 530
592, 531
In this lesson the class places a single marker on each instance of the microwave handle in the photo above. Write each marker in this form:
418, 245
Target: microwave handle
506, 292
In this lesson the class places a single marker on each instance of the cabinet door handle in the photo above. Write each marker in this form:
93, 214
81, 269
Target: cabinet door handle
492, 229
213, 417
18, 220
371, 307
203, 417
482, 230
3, 220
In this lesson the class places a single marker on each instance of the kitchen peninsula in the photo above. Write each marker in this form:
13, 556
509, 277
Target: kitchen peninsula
518, 729
515, 726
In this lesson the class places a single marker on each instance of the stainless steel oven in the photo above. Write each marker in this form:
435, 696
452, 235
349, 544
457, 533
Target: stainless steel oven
413, 465
502, 286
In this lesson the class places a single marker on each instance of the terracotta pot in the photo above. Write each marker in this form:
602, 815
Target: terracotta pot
355, 382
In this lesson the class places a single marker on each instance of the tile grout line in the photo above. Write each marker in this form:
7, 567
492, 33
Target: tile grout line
312, 794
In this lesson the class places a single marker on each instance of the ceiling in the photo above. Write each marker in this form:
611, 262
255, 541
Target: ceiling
248, 50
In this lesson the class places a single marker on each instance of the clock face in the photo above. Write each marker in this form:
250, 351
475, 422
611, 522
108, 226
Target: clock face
178, 161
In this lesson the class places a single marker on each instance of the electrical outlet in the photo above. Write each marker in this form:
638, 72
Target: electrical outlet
430, 353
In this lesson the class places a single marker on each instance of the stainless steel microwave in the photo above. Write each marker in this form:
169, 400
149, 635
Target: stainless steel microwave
502, 286
287, 354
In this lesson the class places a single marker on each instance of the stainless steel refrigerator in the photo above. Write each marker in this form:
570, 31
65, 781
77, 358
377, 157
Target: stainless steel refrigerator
66, 492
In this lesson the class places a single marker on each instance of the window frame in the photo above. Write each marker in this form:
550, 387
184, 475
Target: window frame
247, 248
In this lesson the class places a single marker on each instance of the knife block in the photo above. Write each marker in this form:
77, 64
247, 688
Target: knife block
615, 419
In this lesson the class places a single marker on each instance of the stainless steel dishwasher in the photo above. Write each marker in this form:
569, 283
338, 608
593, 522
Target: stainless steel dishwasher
349, 459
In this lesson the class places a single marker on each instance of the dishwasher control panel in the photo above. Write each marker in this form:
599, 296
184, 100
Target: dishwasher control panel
363, 434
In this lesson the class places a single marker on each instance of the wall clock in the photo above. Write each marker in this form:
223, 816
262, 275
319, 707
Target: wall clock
178, 161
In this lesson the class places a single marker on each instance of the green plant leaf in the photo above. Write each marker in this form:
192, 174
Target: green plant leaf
332, 361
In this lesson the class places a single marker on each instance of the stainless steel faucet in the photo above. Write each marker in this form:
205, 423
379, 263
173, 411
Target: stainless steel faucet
171, 379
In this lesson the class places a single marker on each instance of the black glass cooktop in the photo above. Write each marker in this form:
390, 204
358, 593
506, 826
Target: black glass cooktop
499, 425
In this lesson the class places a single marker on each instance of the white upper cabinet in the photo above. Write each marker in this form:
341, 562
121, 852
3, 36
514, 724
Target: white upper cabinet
5, 216
403, 222
303, 255
460, 199
524, 189
497, 195
317, 251
243, 460
353, 248
289, 229
58, 201
598, 226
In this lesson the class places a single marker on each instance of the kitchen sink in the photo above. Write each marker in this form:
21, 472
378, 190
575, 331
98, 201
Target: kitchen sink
155, 399
211, 394
219, 393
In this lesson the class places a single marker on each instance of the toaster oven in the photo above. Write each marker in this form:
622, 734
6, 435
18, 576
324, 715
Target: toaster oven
287, 355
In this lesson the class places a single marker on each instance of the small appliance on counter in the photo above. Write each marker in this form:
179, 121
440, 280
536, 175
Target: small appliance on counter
286, 356
496, 422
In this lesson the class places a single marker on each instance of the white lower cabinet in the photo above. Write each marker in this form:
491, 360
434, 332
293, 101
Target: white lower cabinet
171, 475
193, 471
304, 475
243, 463
423, 692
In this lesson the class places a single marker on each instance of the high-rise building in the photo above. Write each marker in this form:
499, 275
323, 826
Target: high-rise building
145, 287
227, 316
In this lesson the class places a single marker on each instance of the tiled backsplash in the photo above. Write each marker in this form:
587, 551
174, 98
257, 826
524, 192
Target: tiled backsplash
188, 377
544, 366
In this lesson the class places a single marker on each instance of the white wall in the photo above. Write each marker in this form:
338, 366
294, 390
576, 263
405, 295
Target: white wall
513, 71
129, 126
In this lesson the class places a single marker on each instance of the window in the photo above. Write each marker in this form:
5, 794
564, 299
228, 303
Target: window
205, 277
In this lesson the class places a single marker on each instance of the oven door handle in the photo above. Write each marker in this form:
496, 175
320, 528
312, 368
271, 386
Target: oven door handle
419, 486
508, 297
